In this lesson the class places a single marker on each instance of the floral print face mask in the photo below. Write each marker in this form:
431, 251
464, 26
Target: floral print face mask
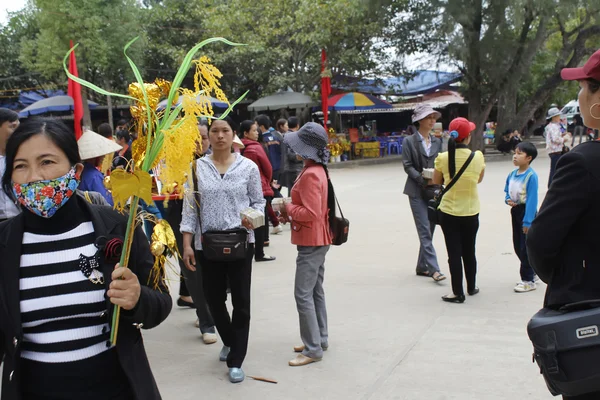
44, 198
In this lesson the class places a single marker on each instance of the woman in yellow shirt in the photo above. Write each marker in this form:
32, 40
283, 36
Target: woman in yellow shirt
460, 207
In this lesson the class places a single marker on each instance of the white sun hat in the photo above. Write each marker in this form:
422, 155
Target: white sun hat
92, 145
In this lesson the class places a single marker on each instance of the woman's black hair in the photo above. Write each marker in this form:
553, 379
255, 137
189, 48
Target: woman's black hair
245, 126
416, 124
507, 132
53, 129
123, 134
7, 115
452, 155
280, 124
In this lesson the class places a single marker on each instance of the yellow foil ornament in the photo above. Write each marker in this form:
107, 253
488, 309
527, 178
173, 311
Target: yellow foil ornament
126, 185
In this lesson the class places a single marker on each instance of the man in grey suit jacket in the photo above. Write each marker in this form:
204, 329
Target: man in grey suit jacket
419, 151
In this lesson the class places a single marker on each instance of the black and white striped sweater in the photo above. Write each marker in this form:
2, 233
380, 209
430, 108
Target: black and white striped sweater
60, 307
65, 352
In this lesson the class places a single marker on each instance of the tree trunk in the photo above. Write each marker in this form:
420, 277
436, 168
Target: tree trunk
110, 111
87, 119
507, 111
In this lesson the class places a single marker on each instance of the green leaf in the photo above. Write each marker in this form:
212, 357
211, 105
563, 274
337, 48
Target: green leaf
86, 83
187, 62
226, 113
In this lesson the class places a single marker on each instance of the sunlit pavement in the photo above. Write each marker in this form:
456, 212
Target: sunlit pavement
391, 336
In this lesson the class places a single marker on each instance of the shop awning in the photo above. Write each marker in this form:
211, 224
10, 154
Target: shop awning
281, 100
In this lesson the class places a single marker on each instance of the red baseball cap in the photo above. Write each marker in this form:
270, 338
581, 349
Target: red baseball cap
462, 127
591, 70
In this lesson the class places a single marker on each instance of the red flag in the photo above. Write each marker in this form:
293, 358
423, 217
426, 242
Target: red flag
74, 91
325, 87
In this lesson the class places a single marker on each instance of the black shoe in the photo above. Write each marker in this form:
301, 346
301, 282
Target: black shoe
266, 258
182, 303
457, 299
474, 291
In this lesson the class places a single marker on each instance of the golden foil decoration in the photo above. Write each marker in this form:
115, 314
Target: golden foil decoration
125, 185
163, 245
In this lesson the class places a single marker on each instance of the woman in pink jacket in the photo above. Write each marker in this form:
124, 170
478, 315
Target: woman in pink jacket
308, 214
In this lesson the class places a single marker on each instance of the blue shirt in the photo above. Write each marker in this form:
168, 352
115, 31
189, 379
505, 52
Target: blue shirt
523, 189
92, 180
272, 139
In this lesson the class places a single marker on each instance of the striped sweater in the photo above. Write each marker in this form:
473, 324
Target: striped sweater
61, 309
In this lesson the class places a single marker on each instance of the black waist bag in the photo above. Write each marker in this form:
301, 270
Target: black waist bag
566, 347
230, 245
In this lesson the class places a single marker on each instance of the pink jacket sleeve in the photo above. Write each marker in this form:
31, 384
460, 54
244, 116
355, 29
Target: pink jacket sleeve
310, 190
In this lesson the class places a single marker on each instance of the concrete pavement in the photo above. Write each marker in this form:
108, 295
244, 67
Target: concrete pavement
391, 336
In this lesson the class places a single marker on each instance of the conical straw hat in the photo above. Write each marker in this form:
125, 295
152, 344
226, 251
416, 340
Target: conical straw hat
92, 145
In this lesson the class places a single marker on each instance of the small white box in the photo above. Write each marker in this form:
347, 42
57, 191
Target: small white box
279, 203
256, 218
428, 173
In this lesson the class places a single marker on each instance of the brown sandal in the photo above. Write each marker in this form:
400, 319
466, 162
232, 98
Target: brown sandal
439, 277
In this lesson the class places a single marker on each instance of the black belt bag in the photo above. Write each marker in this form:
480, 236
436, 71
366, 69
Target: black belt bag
229, 245
566, 347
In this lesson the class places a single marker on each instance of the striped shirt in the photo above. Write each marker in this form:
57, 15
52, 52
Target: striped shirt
61, 309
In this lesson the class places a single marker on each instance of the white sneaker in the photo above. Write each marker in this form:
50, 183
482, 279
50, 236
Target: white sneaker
277, 230
536, 278
209, 338
523, 287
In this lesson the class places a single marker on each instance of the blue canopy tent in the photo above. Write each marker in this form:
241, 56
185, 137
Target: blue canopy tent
420, 82
51, 104
215, 102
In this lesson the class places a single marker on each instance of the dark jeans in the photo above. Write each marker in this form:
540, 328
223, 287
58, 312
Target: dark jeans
460, 234
554, 157
193, 280
233, 331
519, 242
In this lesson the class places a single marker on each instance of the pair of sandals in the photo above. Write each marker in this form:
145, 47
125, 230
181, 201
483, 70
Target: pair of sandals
437, 276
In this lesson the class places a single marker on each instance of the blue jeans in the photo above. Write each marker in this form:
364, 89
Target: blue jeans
554, 157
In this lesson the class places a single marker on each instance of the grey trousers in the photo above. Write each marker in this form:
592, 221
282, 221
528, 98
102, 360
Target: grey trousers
427, 261
310, 299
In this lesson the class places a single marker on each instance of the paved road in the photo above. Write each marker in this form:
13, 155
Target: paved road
391, 336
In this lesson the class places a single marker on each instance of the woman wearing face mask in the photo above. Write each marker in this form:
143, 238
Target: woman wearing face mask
460, 207
227, 185
59, 283
563, 239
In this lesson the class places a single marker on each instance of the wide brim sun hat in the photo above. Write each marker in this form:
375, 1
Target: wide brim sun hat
237, 141
309, 142
92, 145
422, 111
553, 112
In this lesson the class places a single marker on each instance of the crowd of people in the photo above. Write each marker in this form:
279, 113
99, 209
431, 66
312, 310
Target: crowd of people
60, 282
59, 299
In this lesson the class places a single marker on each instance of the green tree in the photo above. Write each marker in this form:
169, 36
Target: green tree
101, 27
285, 40
496, 45
21, 25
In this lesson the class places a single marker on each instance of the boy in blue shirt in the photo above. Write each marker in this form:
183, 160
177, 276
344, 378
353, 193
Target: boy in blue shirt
522, 196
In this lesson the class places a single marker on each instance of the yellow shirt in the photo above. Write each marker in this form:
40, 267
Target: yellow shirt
463, 199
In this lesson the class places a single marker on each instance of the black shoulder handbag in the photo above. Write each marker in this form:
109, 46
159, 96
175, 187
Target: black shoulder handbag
223, 246
434, 204
566, 347
339, 226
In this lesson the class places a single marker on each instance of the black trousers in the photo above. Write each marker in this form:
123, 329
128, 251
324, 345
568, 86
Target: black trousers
460, 234
233, 330
519, 242
172, 215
